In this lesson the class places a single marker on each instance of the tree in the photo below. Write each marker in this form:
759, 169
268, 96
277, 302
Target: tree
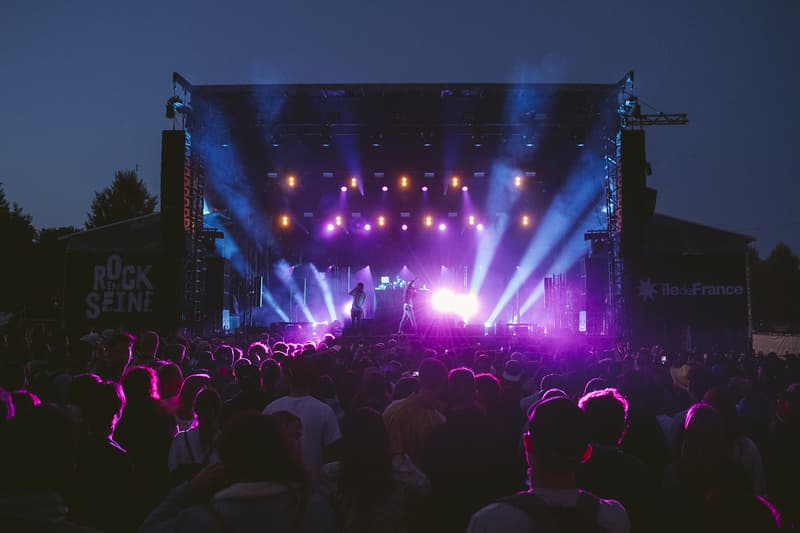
127, 197
17, 236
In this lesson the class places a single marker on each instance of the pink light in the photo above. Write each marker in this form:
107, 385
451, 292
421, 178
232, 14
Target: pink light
424, 188
479, 227
330, 227
385, 188
404, 227
343, 188
464, 188
447, 302
367, 227
442, 226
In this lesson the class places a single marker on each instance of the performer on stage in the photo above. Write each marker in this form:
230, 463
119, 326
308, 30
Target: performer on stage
408, 307
357, 308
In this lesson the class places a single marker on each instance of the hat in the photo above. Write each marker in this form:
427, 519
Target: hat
512, 371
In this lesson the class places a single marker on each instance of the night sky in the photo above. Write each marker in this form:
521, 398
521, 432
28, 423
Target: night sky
83, 84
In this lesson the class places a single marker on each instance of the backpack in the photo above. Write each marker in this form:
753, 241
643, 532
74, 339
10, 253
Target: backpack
185, 472
558, 519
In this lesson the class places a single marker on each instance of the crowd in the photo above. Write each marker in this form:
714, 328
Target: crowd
115, 432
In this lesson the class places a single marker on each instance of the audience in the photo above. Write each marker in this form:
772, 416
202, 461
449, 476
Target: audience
434, 436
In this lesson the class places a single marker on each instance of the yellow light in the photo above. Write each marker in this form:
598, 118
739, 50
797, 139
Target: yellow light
353, 183
404, 181
291, 181
338, 220
285, 220
518, 181
428, 220
455, 181
526, 221
381, 221
471, 220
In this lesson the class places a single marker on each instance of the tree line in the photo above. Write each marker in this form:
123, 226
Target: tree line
32, 261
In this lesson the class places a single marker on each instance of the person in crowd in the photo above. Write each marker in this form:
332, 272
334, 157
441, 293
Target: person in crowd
250, 396
118, 353
463, 459
369, 485
743, 450
782, 460
325, 391
37, 454
321, 433
101, 491
174, 353
271, 376
373, 392
292, 428
410, 421
184, 415
405, 387
170, 380
147, 349
145, 431
257, 485
611, 473
196, 447
556, 443
24, 401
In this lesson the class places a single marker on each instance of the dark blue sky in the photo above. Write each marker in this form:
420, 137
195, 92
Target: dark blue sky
84, 83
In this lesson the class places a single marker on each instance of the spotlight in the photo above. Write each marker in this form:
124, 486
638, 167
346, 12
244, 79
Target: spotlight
338, 220
404, 227
381, 221
442, 226
404, 181
353, 182
330, 227
343, 188
285, 221
455, 181
428, 221
424, 188
517, 181
526, 221
471, 220
464, 188
367, 227
479, 227
291, 181
385, 188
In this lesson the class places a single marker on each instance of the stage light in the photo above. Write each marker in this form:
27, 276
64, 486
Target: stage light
291, 181
471, 220
518, 181
428, 221
403, 182
479, 227
442, 226
526, 221
338, 220
385, 188
346, 308
487, 324
446, 301
343, 188
455, 181
464, 188
367, 227
330, 227
404, 227
285, 221
353, 183
424, 188
381, 221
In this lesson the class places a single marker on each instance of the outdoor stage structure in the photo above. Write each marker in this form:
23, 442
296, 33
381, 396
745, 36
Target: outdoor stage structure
519, 208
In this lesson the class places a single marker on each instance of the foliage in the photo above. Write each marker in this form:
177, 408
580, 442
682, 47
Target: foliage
126, 197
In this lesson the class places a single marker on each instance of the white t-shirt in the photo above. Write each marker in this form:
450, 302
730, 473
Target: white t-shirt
320, 428
504, 518
179, 453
